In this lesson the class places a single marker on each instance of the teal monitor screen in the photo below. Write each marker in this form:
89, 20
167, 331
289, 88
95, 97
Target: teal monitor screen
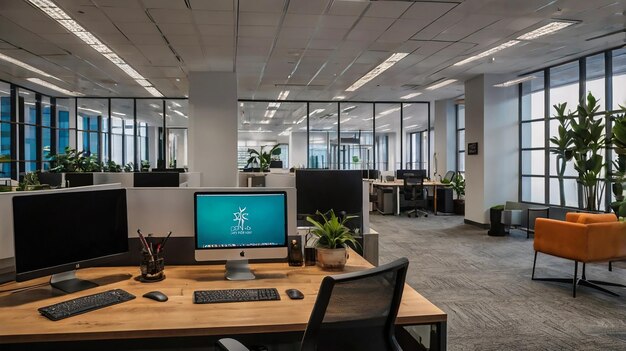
240, 220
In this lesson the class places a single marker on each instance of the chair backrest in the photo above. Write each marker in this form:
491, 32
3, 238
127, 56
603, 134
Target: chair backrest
449, 175
413, 186
357, 311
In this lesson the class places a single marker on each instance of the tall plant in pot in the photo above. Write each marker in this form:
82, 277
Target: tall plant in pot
562, 146
619, 165
458, 186
588, 139
332, 238
262, 158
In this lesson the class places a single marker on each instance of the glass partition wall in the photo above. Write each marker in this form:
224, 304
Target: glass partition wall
337, 134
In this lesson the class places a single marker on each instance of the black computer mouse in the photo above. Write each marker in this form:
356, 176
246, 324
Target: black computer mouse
156, 295
294, 294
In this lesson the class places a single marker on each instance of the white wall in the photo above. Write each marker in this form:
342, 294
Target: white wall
491, 121
445, 137
213, 127
297, 149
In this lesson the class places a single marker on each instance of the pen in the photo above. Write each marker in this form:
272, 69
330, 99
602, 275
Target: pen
162, 244
145, 243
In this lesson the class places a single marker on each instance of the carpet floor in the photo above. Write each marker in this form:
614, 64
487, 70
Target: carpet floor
483, 284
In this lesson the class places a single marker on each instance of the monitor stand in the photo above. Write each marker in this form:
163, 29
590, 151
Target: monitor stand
68, 282
238, 270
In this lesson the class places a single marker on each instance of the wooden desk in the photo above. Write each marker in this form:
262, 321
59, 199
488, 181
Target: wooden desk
397, 184
179, 317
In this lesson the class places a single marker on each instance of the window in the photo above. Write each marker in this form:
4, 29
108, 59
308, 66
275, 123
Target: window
594, 82
460, 138
415, 134
619, 78
122, 114
5, 130
357, 137
177, 133
323, 147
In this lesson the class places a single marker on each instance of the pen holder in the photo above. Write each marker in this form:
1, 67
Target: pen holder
152, 267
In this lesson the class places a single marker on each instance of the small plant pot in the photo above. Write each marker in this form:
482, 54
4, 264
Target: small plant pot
459, 207
332, 259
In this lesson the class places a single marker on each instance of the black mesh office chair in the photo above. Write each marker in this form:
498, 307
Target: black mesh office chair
448, 177
353, 311
414, 193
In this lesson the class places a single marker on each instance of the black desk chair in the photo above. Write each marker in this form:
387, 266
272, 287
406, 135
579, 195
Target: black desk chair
353, 311
414, 192
448, 177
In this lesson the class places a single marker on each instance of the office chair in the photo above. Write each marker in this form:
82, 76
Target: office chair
353, 311
448, 177
414, 192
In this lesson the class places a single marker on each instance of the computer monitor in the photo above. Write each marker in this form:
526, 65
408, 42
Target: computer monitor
59, 232
420, 173
156, 179
237, 226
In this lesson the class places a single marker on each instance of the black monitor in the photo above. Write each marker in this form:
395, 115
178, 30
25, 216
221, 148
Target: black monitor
323, 190
156, 179
419, 173
370, 174
62, 231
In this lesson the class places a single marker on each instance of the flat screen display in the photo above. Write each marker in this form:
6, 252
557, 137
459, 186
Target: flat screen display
240, 220
53, 232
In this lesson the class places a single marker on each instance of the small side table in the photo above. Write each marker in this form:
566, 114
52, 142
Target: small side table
537, 211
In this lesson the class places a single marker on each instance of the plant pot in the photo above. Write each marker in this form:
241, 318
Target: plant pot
459, 206
496, 227
332, 259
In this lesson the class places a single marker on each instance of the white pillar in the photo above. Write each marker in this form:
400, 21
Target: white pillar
445, 136
213, 127
491, 120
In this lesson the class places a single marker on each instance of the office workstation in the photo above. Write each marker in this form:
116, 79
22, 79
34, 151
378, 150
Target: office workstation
312, 174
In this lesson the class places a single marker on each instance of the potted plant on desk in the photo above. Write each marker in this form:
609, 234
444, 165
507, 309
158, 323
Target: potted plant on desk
332, 237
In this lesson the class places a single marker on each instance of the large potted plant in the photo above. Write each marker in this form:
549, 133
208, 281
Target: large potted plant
619, 165
77, 166
562, 146
588, 141
262, 158
458, 185
332, 237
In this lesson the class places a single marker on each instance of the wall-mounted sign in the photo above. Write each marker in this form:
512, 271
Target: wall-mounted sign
472, 148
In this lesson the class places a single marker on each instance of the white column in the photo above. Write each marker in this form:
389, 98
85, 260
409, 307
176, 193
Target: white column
491, 120
445, 136
213, 123
297, 149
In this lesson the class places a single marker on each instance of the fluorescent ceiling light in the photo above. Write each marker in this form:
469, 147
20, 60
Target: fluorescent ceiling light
53, 87
545, 30
317, 111
489, 52
266, 121
255, 131
392, 60
412, 126
155, 106
57, 14
441, 84
514, 81
339, 97
410, 96
25, 66
383, 126
90, 110
385, 130
283, 95
274, 105
270, 113
349, 108
177, 104
386, 112
344, 121
368, 119
118, 113
180, 113
29, 103
301, 120
406, 118
327, 128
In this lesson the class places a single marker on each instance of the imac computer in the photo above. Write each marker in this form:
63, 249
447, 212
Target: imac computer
59, 232
237, 226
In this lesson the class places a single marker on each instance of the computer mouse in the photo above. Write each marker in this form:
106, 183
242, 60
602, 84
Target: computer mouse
156, 295
294, 294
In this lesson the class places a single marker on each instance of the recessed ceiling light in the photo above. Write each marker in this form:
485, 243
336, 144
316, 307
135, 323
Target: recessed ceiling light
514, 81
410, 96
26, 66
283, 95
489, 52
339, 97
178, 79
392, 60
57, 14
545, 30
441, 84
53, 87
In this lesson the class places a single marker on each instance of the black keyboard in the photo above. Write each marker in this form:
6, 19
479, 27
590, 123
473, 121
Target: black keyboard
84, 304
235, 295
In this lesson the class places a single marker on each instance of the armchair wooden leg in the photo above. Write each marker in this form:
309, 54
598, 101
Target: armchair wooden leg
534, 264
610, 266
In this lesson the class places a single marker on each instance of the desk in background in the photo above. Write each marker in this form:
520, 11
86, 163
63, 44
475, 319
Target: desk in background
396, 185
179, 318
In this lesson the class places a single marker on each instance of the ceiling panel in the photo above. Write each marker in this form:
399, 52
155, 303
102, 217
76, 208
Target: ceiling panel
120, 14
347, 8
388, 9
259, 19
181, 16
428, 11
213, 17
402, 30
261, 5
213, 5
314, 7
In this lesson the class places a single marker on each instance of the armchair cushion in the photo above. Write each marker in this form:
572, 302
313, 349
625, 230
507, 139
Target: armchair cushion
588, 218
594, 242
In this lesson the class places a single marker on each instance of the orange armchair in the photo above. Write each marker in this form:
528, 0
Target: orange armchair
582, 237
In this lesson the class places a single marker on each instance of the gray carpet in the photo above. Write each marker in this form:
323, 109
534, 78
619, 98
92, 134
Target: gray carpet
483, 284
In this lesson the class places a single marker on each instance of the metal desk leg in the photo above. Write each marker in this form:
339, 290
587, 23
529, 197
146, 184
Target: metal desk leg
439, 337
396, 193
435, 199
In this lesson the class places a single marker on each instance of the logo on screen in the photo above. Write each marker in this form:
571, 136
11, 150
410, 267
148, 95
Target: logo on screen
240, 218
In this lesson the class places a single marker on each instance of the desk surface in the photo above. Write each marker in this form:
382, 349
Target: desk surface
401, 183
141, 317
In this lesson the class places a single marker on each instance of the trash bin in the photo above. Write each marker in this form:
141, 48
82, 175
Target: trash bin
385, 201
495, 215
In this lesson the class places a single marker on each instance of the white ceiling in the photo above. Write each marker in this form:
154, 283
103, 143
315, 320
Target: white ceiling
314, 48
